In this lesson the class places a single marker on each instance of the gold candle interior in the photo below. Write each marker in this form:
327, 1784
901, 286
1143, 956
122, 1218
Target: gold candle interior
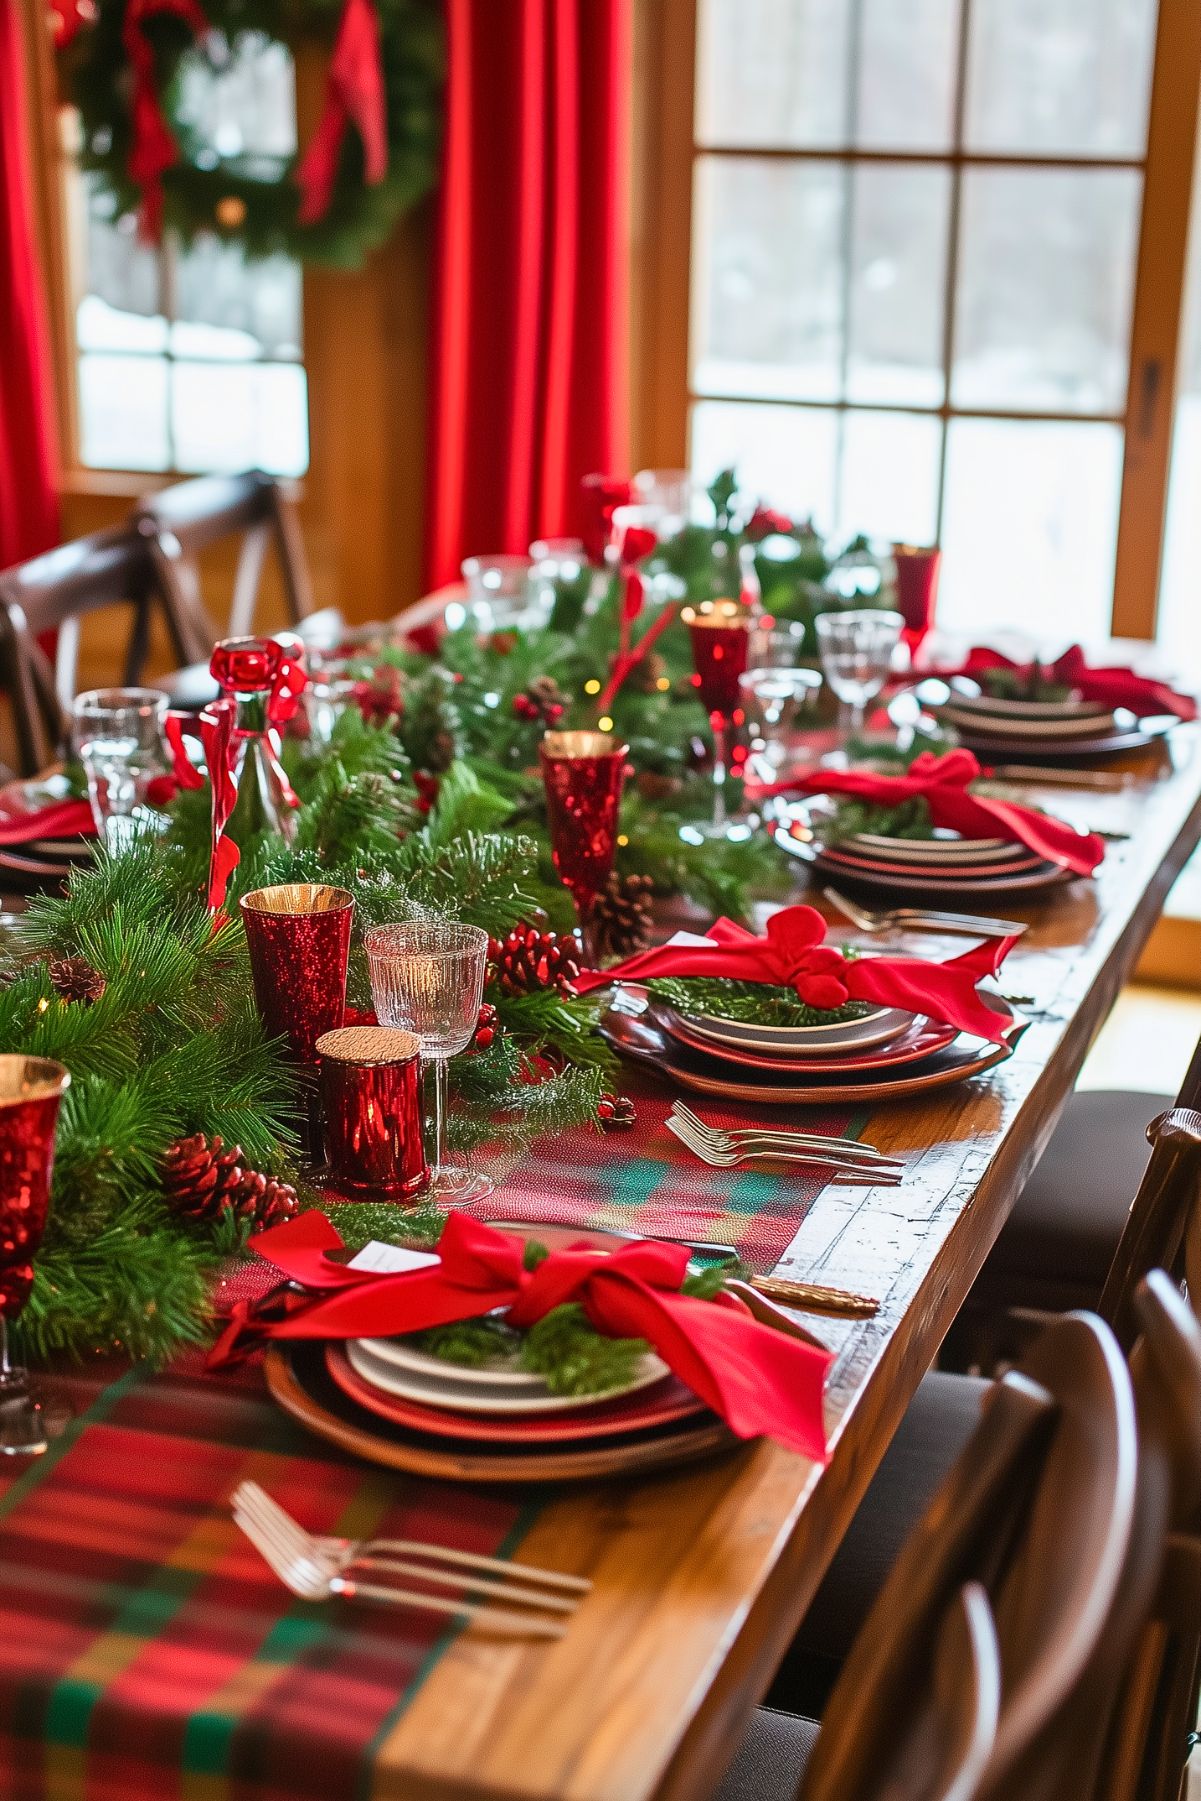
30, 1079
582, 744
298, 897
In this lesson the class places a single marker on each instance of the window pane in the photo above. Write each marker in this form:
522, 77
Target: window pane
899, 253
123, 412
772, 72
246, 106
1072, 76
1045, 284
889, 486
1179, 623
230, 309
119, 307
768, 297
1030, 527
248, 417
784, 455
779, 72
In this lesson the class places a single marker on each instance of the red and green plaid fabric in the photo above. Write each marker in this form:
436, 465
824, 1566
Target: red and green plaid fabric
643, 1179
146, 1651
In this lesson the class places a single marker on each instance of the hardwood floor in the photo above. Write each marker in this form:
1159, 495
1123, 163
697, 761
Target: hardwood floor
1146, 1042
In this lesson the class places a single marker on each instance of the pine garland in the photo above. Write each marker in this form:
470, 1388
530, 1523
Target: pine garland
752, 1003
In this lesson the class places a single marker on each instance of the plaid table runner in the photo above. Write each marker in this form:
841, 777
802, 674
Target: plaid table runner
146, 1651
643, 1179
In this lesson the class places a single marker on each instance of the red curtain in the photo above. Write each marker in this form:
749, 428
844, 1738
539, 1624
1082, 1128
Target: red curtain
28, 499
529, 336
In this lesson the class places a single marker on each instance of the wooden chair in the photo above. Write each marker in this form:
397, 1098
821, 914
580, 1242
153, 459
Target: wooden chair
1052, 1463
55, 593
180, 523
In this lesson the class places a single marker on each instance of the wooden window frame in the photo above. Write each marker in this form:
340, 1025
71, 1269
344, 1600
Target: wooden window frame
667, 152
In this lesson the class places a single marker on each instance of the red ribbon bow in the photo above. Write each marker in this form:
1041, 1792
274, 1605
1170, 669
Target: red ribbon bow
758, 1380
793, 955
153, 149
1112, 685
240, 665
942, 782
637, 543
354, 90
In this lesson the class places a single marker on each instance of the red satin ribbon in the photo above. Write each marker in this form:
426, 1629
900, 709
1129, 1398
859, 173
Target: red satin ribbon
759, 1381
1113, 685
248, 666
637, 543
153, 149
354, 90
942, 782
793, 955
61, 819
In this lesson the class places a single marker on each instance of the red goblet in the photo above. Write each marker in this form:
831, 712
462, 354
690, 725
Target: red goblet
30, 1091
721, 635
916, 590
583, 773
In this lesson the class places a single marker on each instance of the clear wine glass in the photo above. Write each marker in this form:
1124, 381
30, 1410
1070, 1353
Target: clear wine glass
118, 737
856, 650
775, 699
427, 975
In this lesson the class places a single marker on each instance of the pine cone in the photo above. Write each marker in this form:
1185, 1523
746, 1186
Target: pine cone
74, 979
204, 1180
647, 674
543, 700
527, 960
621, 915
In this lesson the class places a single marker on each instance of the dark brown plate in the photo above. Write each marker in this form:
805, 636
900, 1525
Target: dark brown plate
1023, 749
299, 1380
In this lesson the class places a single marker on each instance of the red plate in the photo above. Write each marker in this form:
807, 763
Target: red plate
942, 871
922, 1039
669, 1400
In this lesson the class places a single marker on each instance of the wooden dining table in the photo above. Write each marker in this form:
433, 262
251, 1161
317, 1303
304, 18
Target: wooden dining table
700, 1576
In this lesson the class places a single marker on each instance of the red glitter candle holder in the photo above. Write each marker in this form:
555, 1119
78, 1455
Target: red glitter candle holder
583, 773
916, 590
30, 1091
721, 637
371, 1093
299, 939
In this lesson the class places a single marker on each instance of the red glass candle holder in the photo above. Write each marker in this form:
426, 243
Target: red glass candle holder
31, 1089
583, 773
299, 939
371, 1093
918, 570
720, 631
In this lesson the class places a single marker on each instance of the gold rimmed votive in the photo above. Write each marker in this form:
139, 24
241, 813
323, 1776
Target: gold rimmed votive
371, 1094
30, 1091
582, 744
298, 934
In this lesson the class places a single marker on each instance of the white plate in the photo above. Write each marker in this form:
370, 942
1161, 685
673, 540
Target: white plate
940, 850
1031, 709
502, 1376
877, 1027
445, 1387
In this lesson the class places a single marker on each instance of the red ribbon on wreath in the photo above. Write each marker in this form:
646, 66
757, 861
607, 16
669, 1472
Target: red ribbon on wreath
354, 90
153, 149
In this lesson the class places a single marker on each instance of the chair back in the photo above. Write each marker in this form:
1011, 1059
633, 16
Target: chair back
181, 522
1037, 1516
1163, 1230
55, 592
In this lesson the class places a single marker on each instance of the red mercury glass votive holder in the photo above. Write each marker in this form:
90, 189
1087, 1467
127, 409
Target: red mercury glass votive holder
371, 1094
31, 1089
583, 773
721, 634
917, 570
299, 939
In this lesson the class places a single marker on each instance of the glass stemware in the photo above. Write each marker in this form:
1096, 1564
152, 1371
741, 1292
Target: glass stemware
498, 590
427, 975
583, 774
721, 640
775, 698
916, 591
117, 734
30, 1091
856, 650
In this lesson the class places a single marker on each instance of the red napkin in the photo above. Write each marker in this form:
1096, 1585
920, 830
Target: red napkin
61, 819
760, 1381
1114, 685
943, 782
792, 955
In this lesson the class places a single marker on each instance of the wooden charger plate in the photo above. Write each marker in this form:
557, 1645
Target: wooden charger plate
299, 1381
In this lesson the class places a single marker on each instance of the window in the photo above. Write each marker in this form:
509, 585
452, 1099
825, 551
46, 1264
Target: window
191, 359
915, 242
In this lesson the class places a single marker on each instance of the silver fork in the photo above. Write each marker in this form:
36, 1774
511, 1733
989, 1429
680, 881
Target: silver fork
919, 919
847, 1150
313, 1580
337, 1554
879, 1175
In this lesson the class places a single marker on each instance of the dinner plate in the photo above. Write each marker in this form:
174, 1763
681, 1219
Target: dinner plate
922, 1039
999, 725
1072, 708
938, 884
505, 1376
1048, 750
445, 1388
668, 1400
298, 1378
876, 865
934, 850
881, 1026
645, 1043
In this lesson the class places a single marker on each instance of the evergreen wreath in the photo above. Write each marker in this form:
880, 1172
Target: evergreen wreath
254, 199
